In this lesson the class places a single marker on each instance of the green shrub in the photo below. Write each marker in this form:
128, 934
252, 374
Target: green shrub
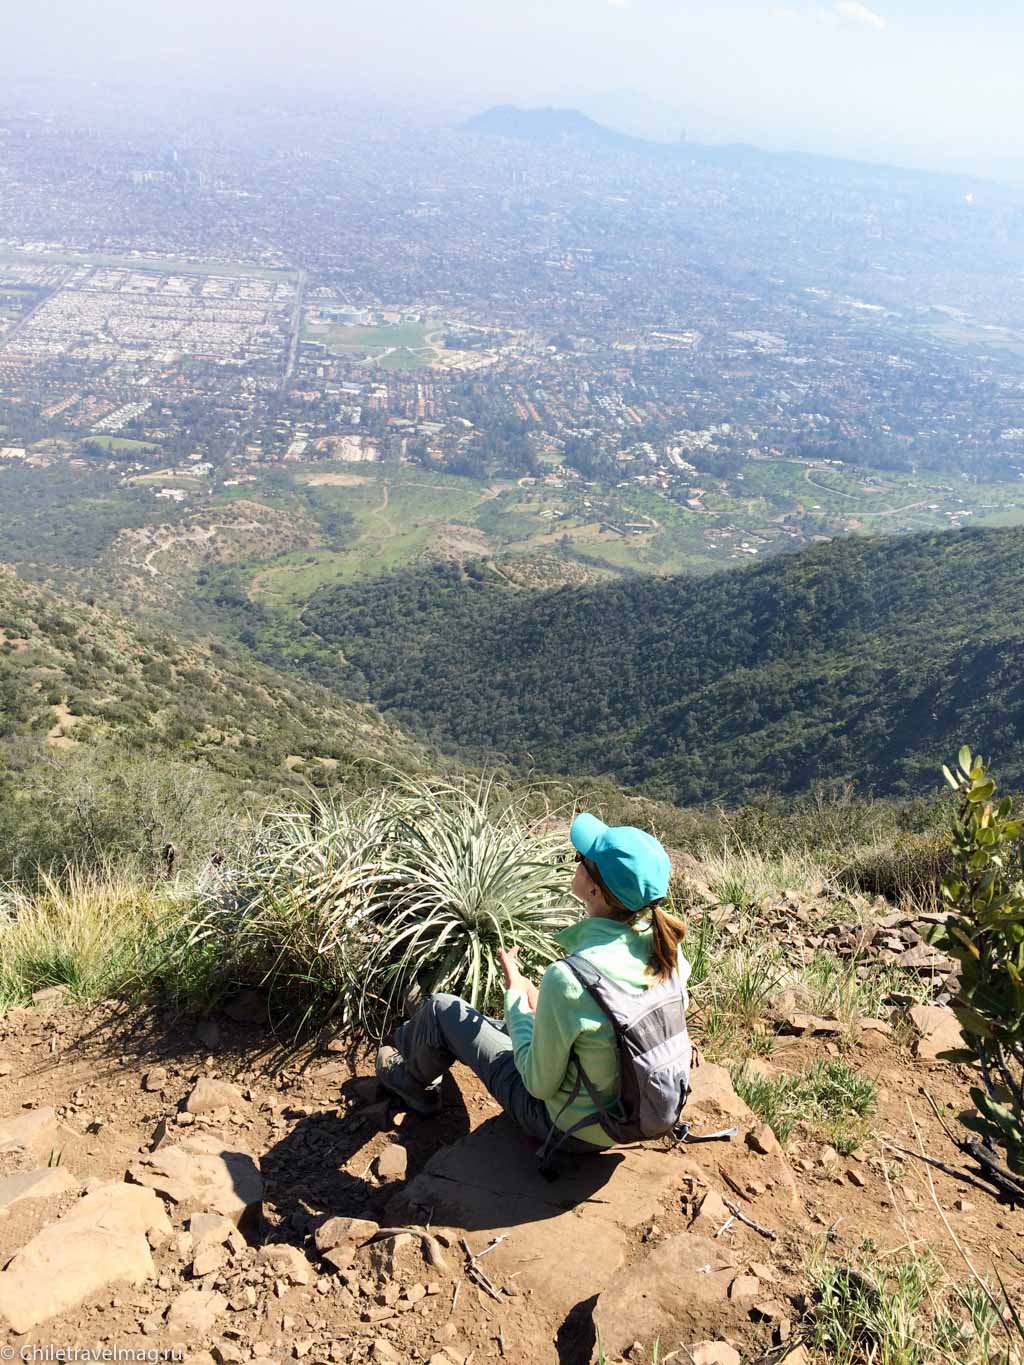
904, 1311
96, 931
985, 933
97, 806
907, 867
289, 912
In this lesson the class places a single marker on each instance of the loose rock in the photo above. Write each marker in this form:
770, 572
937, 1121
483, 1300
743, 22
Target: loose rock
210, 1229
744, 1287
50, 997
287, 1262
209, 1260
209, 1095
339, 1231
100, 1242
38, 1132
711, 1214
195, 1312
715, 1353
763, 1141
938, 1031
810, 1024
393, 1163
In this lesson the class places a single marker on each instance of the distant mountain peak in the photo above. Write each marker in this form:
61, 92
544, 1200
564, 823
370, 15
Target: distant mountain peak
547, 125
558, 127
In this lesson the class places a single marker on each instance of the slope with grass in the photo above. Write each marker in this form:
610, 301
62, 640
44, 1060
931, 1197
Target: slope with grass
864, 660
71, 672
117, 738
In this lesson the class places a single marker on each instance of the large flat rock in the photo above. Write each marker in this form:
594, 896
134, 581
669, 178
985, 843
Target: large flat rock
38, 1131
204, 1172
42, 1184
567, 1237
101, 1241
678, 1295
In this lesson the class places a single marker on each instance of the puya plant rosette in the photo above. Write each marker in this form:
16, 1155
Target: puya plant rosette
984, 932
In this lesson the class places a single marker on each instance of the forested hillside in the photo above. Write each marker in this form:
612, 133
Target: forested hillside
864, 659
75, 678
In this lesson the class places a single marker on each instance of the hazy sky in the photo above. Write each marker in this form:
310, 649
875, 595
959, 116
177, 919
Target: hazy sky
897, 80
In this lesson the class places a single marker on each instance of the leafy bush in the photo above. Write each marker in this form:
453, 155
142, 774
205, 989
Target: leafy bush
909, 866
96, 807
290, 912
985, 933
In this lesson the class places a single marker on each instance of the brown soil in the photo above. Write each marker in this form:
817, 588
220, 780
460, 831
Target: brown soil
317, 1126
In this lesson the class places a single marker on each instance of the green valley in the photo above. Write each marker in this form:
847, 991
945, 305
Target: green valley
858, 660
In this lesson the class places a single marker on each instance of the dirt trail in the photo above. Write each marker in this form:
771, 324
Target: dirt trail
159, 540
380, 511
896, 511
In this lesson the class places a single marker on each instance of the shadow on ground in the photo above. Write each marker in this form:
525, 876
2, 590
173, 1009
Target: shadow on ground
314, 1172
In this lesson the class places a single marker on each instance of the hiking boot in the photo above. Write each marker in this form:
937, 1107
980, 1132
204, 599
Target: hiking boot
391, 1072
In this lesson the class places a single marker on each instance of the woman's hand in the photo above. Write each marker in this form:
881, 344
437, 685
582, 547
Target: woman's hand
514, 978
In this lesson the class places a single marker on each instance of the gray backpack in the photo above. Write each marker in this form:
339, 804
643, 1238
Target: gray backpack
654, 1059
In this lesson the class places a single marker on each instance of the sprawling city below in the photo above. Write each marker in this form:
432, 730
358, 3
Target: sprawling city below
641, 356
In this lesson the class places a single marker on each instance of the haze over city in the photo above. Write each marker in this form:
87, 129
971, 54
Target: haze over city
900, 81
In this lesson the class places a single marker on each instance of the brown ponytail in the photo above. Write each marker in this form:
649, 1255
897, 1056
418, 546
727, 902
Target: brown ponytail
667, 931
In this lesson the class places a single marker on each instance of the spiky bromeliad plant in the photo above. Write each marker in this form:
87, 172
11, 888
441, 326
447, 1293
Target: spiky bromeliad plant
985, 933
466, 876
339, 909
292, 912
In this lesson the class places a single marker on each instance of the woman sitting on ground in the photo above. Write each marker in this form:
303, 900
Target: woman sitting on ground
621, 878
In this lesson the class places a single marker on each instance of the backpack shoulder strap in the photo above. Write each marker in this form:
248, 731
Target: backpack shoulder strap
593, 980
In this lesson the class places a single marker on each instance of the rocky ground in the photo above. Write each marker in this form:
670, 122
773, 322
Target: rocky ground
167, 1184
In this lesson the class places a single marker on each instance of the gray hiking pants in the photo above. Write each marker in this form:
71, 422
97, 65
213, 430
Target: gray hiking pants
445, 1030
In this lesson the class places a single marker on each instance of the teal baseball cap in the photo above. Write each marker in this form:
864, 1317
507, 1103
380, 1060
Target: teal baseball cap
633, 865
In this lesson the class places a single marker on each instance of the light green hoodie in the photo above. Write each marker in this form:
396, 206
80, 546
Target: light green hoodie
569, 1017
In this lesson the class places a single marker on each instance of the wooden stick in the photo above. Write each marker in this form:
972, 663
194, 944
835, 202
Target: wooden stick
734, 1185
953, 1237
956, 1172
942, 1121
737, 1213
1002, 1177
726, 1225
475, 1273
